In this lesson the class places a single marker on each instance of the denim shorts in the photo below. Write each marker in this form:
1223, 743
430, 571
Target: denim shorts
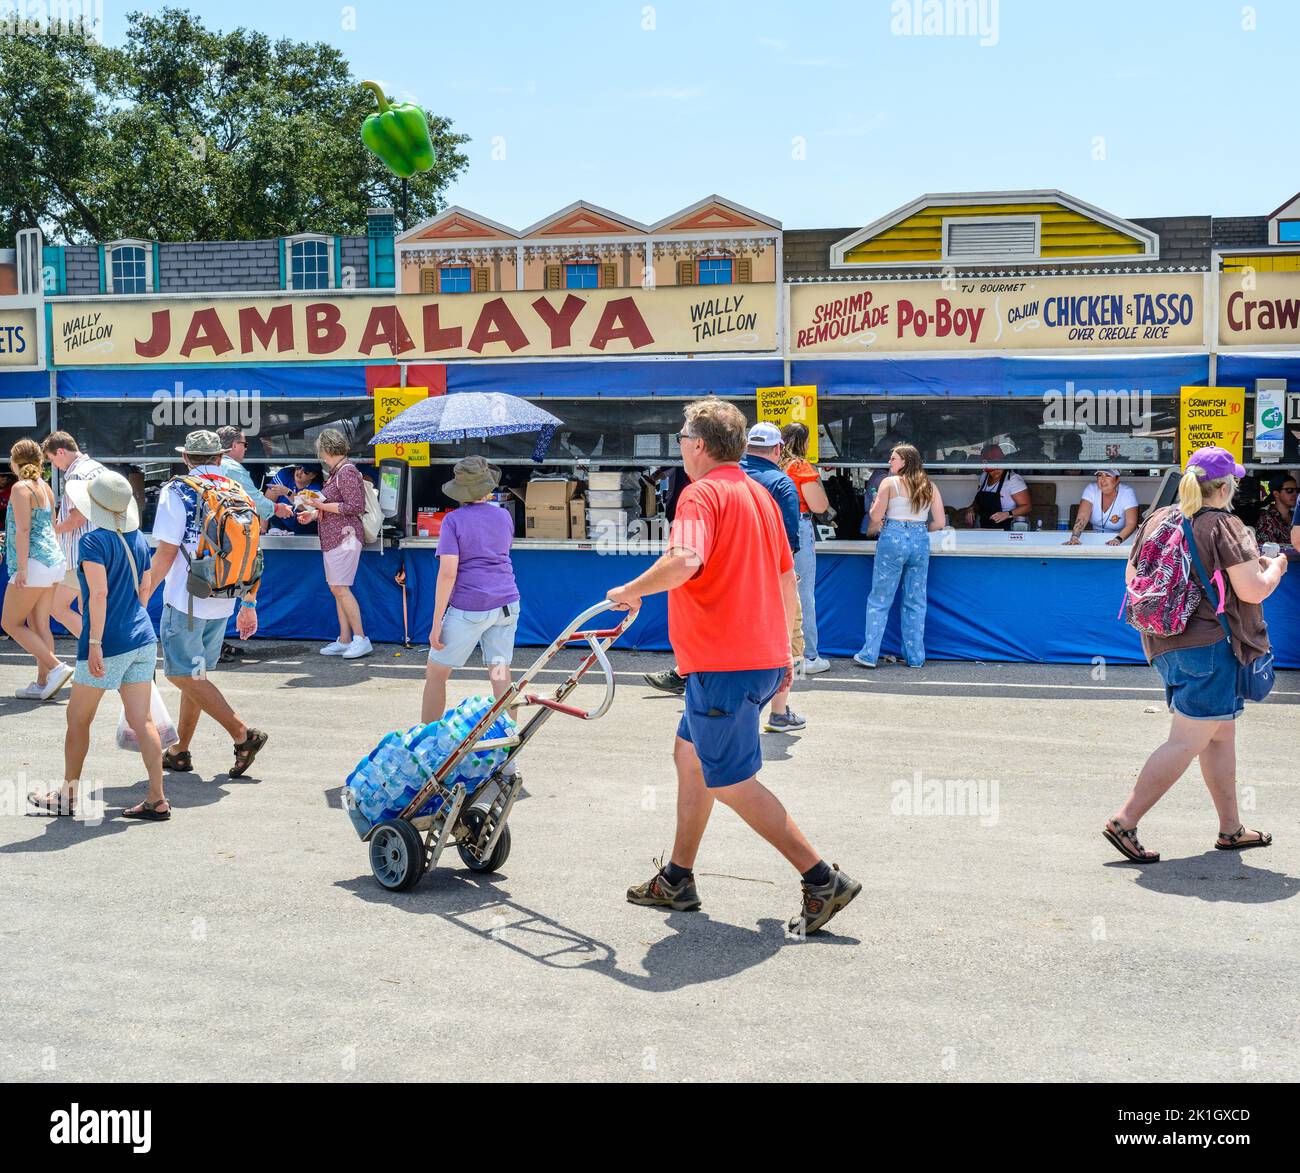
1201, 683
463, 631
190, 651
721, 720
133, 667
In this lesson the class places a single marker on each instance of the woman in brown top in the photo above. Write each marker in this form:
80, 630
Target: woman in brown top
1199, 664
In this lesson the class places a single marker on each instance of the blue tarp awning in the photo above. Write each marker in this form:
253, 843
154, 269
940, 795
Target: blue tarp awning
1244, 369
996, 376
582, 378
272, 380
25, 385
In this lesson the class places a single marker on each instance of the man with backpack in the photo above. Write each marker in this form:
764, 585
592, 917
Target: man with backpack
203, 586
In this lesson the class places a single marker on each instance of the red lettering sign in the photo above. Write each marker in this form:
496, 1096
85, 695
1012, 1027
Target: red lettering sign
630, 325
324, 334
276, 327
560, 322
160, 339
384, 327
206, 330
497, 324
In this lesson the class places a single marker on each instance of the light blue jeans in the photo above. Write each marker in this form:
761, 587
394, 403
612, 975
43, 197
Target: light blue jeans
902, 552
805, 566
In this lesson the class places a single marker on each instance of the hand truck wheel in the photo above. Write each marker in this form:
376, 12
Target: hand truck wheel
397, 855
474, 822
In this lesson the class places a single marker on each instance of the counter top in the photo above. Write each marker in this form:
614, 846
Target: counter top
960, 543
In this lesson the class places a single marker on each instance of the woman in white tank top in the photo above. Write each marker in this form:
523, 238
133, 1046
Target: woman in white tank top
907, 506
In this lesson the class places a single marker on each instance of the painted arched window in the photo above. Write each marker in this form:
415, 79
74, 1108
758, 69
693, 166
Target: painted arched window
310, 263
129, 266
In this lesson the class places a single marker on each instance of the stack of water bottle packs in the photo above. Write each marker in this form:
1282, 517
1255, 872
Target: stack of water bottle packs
386, 779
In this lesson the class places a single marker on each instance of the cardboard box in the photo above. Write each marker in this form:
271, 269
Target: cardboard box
577, 518
613, 480
546, 508
629, 499
428, 522
650, 503
609, 524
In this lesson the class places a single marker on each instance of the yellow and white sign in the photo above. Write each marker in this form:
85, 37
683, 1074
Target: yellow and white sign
968, 315
1259, 309
390, 402
520, 324
785, 405
19, 342
1211, 417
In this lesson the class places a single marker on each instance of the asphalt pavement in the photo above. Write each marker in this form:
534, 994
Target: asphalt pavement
998, 937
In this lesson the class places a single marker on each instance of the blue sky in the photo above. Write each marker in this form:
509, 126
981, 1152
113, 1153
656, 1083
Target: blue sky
1144, 107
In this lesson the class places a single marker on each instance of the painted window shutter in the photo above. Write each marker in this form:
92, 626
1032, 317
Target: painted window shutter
685, 272
482, 280
428, 280
554, 277
744, 270
609, 275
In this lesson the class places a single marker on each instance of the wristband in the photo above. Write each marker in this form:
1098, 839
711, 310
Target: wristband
251, 606
96, 643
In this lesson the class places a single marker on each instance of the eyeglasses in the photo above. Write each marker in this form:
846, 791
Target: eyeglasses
685, 436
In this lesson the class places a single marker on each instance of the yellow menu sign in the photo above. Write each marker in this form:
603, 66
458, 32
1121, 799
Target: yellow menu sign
785, 405
390, 402
1211, 416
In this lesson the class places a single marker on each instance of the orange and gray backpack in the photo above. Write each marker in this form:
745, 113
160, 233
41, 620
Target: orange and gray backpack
227, 563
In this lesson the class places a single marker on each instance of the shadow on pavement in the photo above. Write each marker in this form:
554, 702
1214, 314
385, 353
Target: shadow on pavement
700, 949
1215, 876
185, 792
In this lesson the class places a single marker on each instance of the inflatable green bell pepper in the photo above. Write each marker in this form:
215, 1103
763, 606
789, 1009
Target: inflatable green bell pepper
399, 134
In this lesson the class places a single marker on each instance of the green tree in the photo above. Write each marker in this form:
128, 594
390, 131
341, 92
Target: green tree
186, 133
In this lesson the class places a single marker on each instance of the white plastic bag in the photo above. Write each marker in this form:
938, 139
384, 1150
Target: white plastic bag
162, 719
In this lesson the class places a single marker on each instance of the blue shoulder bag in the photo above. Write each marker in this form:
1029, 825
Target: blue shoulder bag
1254, 680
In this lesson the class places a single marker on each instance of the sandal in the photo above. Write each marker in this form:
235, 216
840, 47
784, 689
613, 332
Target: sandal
52, 804
178, 761
1126, 843
246, 751
1234, 842
149, 811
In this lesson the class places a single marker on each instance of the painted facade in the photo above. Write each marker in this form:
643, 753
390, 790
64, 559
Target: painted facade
712, 242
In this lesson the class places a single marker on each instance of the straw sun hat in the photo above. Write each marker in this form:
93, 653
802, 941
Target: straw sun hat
106, 501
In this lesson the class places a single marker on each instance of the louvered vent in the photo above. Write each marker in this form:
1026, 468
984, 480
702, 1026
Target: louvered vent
987, 239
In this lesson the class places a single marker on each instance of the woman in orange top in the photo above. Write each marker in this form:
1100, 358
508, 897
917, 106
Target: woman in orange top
812, 499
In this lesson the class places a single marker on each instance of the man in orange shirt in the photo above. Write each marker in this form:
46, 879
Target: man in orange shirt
731, 585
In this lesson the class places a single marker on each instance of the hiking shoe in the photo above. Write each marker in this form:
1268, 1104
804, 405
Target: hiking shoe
667, 681
657, 891
812, 667
823, 901
787, 722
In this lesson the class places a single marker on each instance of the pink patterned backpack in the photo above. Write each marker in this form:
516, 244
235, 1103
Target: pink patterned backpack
1164, 591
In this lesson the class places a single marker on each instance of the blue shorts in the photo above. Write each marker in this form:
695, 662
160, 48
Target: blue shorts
1201, 683
721, 720
463, 631
133, 667
190, 651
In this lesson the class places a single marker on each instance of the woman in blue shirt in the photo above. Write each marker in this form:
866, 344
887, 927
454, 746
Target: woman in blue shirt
117, 649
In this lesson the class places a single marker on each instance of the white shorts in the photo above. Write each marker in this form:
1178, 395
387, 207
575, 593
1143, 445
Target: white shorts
462, 631
40, 576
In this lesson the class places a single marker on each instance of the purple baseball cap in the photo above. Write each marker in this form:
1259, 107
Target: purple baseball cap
1215, 463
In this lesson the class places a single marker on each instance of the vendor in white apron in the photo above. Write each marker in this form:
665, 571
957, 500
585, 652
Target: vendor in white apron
1000, 497
1107, 507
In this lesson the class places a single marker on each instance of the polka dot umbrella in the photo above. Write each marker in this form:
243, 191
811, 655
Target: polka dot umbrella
460, 415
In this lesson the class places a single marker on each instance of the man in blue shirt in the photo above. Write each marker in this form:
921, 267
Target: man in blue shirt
760, 462
236, 445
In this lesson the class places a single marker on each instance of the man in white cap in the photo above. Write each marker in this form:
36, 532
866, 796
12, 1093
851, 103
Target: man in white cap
760, 462
191, 651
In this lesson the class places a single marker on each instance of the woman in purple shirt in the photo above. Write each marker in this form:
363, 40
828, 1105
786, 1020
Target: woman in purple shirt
476, 601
